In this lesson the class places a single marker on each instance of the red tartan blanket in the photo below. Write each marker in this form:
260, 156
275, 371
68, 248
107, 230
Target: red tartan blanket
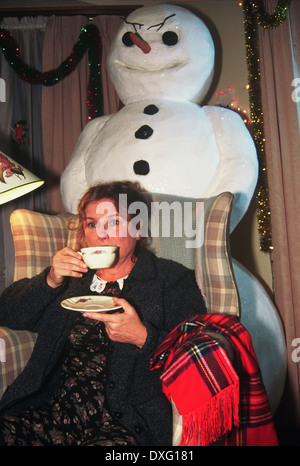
214, 398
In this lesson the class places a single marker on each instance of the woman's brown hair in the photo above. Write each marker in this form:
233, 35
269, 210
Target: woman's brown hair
112, 191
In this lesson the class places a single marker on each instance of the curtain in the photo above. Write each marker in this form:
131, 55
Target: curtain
64, 109
22, 103
278, 48
64, 105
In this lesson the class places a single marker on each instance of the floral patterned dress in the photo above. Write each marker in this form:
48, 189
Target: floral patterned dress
76, 414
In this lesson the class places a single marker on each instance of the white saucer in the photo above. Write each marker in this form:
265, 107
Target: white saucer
90, 304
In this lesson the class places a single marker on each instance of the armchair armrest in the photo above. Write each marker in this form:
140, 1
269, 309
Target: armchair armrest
16, 347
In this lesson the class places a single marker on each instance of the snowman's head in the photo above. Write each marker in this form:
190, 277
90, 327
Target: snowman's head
162, 52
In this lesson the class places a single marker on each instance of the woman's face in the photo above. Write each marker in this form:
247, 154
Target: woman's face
105, 226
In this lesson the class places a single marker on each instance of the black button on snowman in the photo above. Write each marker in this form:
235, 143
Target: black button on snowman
141, 167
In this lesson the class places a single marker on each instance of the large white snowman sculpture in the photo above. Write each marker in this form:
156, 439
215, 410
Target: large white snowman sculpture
161, 64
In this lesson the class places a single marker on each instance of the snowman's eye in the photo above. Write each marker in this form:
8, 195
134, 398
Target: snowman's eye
126, 39
170, 38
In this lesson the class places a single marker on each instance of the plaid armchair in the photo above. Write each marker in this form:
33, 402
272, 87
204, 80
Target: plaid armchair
37, 237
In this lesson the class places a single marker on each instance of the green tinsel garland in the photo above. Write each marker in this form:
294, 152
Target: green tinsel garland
254, 15
89, 39
274, 20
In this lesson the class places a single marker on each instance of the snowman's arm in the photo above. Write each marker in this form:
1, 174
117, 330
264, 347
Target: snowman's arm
238, 168
73, 182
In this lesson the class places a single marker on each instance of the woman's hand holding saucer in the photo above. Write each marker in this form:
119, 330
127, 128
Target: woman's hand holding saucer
125, 327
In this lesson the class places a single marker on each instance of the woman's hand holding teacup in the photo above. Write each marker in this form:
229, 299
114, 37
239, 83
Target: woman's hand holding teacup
65, 263
125, 327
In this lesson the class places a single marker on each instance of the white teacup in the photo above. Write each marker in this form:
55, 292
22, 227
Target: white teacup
100, 257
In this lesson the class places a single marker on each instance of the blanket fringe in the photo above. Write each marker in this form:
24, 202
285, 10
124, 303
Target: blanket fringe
208, 423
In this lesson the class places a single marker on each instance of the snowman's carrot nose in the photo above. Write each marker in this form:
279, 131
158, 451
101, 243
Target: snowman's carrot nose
140, 42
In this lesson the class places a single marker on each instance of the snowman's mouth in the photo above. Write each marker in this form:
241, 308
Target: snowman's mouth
168, 66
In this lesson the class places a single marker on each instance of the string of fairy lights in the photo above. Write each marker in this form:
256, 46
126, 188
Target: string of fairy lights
89, 40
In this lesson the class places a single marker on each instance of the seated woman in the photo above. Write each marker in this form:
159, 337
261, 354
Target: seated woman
88, 381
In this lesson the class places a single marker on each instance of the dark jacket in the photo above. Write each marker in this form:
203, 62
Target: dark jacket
164, 294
